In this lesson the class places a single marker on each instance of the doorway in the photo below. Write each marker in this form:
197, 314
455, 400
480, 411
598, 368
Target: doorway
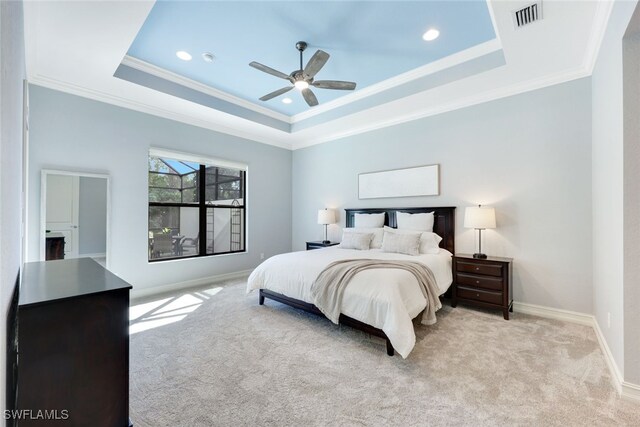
74, 216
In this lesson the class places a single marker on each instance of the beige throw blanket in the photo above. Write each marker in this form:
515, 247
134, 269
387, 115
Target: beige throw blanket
328, 289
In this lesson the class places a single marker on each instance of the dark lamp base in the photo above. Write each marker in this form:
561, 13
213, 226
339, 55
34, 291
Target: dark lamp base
480, 256
326, 242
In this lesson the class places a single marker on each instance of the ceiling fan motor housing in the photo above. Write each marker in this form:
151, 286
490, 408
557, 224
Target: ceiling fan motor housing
300, 75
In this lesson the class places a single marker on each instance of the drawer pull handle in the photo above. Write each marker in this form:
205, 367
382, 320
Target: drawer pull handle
477, 281
477, 268
477, 295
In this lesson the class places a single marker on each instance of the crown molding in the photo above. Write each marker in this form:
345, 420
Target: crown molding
596, 35
491, 95
148, 68
425, 70
296, 143
38, 57
599, 27
84, 92
492, 15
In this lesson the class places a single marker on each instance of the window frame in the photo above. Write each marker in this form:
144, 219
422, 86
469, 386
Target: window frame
202, 205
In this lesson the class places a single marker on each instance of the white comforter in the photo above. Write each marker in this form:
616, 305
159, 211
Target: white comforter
384, 298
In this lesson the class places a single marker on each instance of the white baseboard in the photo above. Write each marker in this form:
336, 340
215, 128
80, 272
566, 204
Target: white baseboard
553, 313
631, 391
155, 290
102, 255
616, 375
625, 389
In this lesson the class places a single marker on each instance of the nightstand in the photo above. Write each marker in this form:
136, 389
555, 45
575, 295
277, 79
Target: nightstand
483, 282
320, 245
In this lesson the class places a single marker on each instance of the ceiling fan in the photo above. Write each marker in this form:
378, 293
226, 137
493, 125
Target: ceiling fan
303, 78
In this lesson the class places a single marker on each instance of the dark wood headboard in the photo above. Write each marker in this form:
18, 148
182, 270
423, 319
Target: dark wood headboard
444, 223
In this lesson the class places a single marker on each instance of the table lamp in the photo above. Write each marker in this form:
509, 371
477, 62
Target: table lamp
326, 217
479, 218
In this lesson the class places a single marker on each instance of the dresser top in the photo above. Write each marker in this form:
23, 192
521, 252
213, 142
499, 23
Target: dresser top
54, 280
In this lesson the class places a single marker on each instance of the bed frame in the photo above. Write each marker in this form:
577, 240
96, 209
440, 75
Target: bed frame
444, 226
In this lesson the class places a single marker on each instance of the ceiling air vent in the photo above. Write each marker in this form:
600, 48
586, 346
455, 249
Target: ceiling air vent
528, 14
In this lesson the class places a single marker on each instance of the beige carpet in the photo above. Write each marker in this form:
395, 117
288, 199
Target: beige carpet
214, 357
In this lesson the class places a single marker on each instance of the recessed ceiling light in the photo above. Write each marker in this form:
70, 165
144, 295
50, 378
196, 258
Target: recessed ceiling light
185, 56
431, 34
287, 100
208, 57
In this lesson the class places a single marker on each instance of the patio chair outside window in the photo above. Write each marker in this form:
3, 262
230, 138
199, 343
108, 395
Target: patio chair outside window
190, 245
162, 245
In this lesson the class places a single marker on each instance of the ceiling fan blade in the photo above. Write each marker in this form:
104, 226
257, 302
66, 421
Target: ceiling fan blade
276, 93
316, 62
334, 84
269, 70
309, 97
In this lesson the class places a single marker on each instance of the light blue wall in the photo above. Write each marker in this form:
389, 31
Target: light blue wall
92, 216
528, 155
77, 134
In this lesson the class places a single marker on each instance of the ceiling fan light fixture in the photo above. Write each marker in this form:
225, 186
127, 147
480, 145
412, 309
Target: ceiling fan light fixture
301, 84
431, 34
287, 100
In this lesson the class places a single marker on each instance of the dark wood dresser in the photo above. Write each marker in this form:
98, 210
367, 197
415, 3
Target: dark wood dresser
72, 345
484, 282
54, 248
320, 245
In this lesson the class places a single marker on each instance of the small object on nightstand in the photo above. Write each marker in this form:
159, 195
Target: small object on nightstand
320, 245
483, 282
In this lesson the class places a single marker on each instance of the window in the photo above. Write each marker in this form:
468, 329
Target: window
196, 208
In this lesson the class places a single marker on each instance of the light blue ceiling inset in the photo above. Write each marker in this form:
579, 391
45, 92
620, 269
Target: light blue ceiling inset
368, 41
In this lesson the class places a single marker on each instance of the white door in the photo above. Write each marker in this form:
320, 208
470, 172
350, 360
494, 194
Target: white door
63, 195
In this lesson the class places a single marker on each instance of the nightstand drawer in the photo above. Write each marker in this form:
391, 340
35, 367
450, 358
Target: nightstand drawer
484, 282
480, 268
478, 295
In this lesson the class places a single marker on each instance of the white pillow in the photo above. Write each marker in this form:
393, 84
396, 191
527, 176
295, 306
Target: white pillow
369, 220
359, 241
406, 243
417, 222
376, 241
429, 242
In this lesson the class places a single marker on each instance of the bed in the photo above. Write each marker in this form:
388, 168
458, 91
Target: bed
380, 302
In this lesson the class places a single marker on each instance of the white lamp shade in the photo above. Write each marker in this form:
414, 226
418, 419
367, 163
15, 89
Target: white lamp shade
326, 216
479, 217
